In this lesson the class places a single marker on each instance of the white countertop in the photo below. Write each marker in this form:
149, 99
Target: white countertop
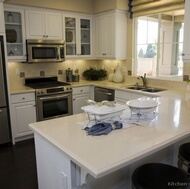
100, 155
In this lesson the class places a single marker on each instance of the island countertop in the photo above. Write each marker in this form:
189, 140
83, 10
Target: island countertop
101, 155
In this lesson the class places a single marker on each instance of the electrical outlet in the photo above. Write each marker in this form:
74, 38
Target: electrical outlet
22, 74
60, 72
185, 77
17, 71
42, 73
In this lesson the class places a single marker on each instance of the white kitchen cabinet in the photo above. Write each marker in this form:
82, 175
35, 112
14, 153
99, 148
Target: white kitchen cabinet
111, 35
80, 95
186, 46
15, 33
124, 96
78, 36
43, 25
23, 112
2, 25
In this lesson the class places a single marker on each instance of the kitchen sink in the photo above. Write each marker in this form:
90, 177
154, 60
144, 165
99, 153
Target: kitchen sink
152, 90
144, 89
134, 87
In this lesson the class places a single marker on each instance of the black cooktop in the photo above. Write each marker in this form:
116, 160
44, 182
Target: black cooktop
44, 82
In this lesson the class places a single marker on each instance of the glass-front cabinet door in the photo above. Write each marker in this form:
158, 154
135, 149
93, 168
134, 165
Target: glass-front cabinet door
14, 33
78, 37
85, 37
70, 35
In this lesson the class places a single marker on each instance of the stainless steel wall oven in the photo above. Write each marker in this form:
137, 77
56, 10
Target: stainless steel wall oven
53, 98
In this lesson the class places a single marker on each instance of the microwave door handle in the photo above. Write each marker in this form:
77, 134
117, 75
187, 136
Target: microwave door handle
57, 53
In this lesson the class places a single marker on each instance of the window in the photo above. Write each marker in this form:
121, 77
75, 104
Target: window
159, 43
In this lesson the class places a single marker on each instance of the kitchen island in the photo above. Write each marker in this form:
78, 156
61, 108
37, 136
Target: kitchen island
68, 158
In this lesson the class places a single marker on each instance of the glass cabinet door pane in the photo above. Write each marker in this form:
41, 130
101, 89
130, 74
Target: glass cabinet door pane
70, 35
85, 36
13, 29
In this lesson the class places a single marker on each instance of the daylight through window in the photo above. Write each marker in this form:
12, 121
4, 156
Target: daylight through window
159, 43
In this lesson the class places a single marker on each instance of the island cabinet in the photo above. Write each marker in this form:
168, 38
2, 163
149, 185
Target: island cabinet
186, 46
111, 35
23, 112
78, 35
123, 96
15, 32
69, 158
80, 95
2, 25
43, 25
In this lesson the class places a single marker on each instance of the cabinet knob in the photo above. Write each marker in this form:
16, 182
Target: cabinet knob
81, 90
23, 98
46, 36
183, 54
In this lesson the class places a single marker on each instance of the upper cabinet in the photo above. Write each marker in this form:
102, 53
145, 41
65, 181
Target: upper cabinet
14, 28
2, 25
78, 36
43, 25
186, 46
111, 35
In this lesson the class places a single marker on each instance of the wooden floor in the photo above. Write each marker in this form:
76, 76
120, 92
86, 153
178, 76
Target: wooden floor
18, 166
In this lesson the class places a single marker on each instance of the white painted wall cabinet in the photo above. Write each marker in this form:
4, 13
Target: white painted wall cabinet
43, 25
23, 112
78, 36
186, 43
111, 35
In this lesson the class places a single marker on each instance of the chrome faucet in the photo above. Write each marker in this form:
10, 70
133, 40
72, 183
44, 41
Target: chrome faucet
143, 79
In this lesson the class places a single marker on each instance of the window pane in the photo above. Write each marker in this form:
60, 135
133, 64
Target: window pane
169, 27
147, 37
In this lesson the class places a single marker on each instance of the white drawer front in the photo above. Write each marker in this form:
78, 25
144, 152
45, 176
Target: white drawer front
80, 90
22, 97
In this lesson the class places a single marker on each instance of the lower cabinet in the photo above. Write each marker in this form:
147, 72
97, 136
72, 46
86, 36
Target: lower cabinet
123, 96
23, 112
80, 95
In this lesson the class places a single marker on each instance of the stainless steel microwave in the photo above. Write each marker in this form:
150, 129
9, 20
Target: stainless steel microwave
45, 50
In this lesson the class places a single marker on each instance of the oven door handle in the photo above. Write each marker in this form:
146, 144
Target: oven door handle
55, 97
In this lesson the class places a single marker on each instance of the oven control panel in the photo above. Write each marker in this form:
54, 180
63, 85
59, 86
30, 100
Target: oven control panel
53, 90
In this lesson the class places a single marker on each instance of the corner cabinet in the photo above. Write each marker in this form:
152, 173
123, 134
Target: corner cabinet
78, 36
23, 112
186, 43
15, 33
43, 25
111, 35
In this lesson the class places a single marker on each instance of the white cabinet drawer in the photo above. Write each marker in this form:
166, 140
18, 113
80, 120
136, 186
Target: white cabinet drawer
17, 98
81, 90
122, 94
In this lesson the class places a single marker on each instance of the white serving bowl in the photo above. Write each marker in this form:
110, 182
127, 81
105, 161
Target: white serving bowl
142, 105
